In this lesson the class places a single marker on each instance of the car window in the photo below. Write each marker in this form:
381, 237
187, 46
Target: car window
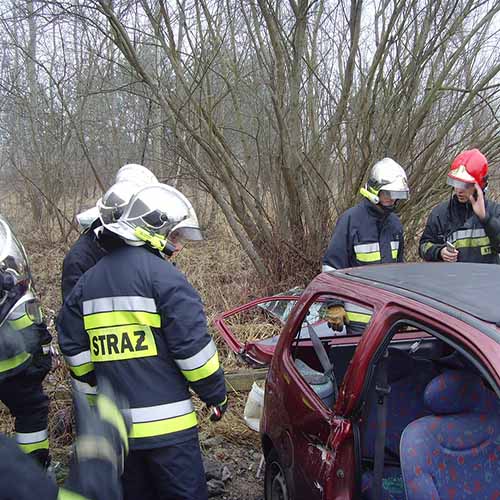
323, 363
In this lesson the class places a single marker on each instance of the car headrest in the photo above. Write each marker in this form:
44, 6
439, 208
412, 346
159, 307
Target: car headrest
454, 391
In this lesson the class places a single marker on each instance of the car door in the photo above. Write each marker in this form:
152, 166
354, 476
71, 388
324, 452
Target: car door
318, 442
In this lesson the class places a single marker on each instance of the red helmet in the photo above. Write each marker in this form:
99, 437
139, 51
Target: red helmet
468, 168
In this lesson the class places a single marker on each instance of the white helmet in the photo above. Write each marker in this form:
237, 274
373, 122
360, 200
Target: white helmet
133, 172
86, 218
154, 213
388, 176
115, 200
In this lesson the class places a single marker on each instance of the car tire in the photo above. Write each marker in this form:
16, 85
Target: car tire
275, 483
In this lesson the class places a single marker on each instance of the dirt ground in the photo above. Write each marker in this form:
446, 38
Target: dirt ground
224, 278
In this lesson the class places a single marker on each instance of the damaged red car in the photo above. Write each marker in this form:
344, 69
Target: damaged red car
407, 406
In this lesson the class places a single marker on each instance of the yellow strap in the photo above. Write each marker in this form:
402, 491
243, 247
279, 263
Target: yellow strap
209, 368
161, 427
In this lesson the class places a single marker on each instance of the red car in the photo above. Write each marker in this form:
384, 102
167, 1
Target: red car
409, 408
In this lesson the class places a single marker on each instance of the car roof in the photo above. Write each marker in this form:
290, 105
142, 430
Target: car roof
471, 288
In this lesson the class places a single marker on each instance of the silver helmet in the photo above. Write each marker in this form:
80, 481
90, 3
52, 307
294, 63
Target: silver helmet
388, 176
154, 213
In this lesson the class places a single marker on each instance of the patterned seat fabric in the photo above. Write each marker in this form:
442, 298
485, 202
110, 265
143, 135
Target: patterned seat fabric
454, 453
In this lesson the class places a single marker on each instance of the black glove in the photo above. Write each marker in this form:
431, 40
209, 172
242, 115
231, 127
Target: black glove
102, 432
218, 410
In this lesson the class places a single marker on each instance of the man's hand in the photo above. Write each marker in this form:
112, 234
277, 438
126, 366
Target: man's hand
449, 255
336, 317
217, 411
478, 204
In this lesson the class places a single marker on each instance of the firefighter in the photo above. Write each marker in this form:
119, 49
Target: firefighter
467, 227
25, 357
135, 319
86, 251
368, 233
95, 469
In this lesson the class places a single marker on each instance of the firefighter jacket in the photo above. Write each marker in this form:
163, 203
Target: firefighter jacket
475, 240
26, 345
84, 254
365, 235
135, 319
23, 478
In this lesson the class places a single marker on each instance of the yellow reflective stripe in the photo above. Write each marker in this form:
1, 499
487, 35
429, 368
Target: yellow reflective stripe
161, 427
41, 445
91, 399
11, 363
209, 368
117, 318
69, 495
81, 370
368, 257
110, 413
359, 317
394, 254
427, 246
23, 322
472, 242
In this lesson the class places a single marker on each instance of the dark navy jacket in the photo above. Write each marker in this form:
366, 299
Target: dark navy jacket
135, 319
84, 254
457, 223
365, 235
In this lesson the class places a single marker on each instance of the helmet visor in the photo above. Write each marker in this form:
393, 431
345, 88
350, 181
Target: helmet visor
451, 181
185, 233
13, 258
395, 195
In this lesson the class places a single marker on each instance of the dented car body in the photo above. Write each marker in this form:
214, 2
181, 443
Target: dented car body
344, 427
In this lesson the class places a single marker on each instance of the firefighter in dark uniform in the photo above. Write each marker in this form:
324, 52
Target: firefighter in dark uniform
86, 251
467, 227
368, 233
135, 319
25, 356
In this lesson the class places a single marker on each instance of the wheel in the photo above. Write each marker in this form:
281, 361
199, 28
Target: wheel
275, 485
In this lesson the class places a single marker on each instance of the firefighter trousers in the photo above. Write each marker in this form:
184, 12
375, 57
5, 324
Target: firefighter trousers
24, 397
173, 472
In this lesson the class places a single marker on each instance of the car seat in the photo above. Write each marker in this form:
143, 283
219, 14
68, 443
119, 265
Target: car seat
455, 452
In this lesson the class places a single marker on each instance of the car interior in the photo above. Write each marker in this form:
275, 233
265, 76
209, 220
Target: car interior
439, 414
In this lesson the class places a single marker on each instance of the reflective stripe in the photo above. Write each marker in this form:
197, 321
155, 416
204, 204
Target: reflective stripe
125, 303
159, 412
80, 364
31, 437
367, 248
198, 359
23, 322
162, 419
117, 318
161, 427
325, 268
69, 495
84, 388
30, 448
11, 363
209, 368
111, 414
426, 246
357, 314
368, 252
394, 249
470, 238
467, 233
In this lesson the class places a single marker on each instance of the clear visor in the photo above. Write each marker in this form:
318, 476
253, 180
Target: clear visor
185, 233
396, 195
13, 258
458, 184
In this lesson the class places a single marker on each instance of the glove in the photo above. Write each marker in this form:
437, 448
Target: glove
218, 411
336, 317
102, 432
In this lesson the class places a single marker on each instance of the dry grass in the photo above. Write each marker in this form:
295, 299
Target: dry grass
223, 276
